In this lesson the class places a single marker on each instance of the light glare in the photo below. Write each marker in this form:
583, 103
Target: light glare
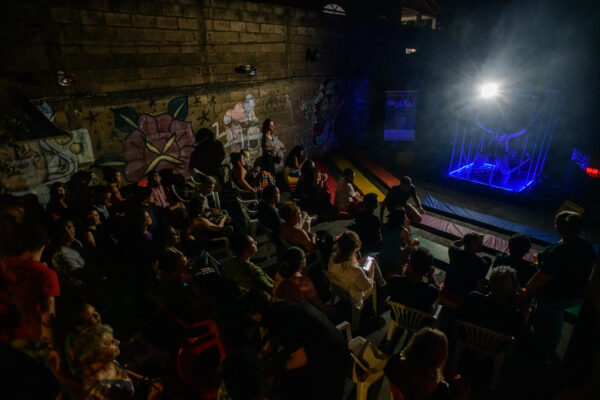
489, 90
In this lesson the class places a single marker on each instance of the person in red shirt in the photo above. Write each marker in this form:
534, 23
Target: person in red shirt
31, 287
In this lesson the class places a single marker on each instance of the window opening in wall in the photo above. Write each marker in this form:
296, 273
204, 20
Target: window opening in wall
334, 9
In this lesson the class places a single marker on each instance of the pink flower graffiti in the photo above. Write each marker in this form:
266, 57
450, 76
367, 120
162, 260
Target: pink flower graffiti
158, 142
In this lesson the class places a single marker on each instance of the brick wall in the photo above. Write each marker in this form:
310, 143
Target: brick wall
140, 55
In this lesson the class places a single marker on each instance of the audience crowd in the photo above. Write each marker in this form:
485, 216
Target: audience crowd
156, 261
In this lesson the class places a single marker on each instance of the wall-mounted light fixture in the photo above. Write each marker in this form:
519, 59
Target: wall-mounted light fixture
65, 79
246, 69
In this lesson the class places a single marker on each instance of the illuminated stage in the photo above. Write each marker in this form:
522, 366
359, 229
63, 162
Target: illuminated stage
502, 141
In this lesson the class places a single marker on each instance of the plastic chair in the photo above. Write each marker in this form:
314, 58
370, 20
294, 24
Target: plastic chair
249, 215
368, 363
483, 341
188, 354
343, 294
409, 319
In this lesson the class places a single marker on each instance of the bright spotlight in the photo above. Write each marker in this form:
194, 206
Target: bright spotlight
489, 90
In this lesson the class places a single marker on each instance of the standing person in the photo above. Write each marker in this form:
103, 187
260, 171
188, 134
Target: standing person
271, 151
313, 355
208, 155
467, 270
346, 198
560, 283
397, 197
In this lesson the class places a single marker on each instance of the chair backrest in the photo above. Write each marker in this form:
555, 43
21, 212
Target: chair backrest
482, 340
410, 318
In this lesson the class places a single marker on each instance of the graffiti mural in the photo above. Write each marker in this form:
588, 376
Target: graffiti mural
242, 128
327, 104
153, 142
40, 163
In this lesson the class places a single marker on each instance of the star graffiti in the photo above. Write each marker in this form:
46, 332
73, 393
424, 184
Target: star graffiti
114, 134
152, 102
197, 100
204, 117
91, 117
213, 100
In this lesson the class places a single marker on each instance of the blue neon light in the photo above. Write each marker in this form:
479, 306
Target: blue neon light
462, 173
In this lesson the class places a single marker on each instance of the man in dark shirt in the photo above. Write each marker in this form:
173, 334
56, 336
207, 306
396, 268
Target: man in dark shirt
314, 355
409, 288
565, 269
268, 214
397, 197
367, 225
518, 246
497, 310
467, 270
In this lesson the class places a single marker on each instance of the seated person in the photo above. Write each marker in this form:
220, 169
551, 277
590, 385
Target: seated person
409, 288
290, 284
290, 230
467, 270
498, 310
312, 191
345, 271
295, 160
205, 196
57, 207
95, 351
242, 272
417, 371
67, 258
160, 195
268, 214
368, 225
397, 241
251, 181
113, 179
397, 197
209, 229
80, 316
103, 202
346, 198
518, 246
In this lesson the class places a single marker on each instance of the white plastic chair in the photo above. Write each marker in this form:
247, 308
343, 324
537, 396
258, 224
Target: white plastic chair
483, 341
409, 319
368, 362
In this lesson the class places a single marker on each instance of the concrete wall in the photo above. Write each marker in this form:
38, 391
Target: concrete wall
146, 71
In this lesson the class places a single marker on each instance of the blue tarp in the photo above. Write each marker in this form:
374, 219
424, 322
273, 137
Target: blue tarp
488, 221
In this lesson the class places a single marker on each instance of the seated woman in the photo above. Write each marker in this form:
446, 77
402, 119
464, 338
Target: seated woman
345, 270
397, 242
312, 192
80, 315
295, 160
67, 258
416, 372
290, 229
290, 284
252, 182
113, 180
346, 198
95, 351
209, 229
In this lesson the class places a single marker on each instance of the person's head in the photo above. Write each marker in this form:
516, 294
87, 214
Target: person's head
111, 175
58, 190
268, 126
94, 345
102, 195
168, 236
271, 195
370, 201
349, 175
92, 217
171, 265
503, 283
406, 181
204, 136
519, 245
294, 260
397, 218
426, 354
86, 316
30, 238
473, 242
144, 196
65, 231
140, 220
207, 184
244, 246
308, 167
290, 213
243, 374
348, 244
246, 154
236, 159
298, 152
154, 178
568, 224
420, 260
